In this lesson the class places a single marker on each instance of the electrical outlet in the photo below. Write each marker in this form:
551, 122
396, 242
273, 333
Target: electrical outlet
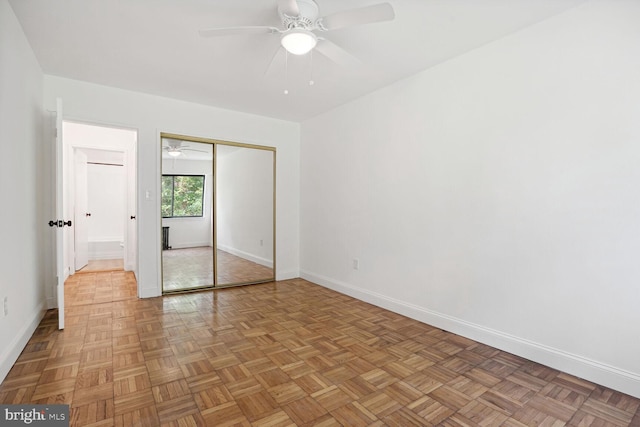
356, 264
5, 306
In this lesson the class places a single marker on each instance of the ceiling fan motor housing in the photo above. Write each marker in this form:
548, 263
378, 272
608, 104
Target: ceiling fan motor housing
305, 20
173, 143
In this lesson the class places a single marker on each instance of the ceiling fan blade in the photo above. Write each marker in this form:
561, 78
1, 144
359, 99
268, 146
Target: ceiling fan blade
276, 54
232, 31
288, 7
337, 54
363, 15
191, 149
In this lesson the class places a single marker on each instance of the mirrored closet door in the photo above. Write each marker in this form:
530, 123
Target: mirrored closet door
187, 215
216, 195
244, 220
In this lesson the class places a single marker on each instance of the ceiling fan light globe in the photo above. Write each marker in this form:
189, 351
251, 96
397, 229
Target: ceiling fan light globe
299, 41
173, 153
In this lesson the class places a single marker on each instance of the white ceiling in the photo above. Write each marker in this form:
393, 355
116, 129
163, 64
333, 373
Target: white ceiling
153, 46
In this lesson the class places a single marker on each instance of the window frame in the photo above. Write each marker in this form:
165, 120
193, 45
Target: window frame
173, 186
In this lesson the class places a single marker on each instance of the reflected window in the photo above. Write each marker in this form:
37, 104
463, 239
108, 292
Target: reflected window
182, 196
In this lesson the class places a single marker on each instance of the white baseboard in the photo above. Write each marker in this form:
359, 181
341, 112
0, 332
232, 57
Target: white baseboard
187, 245
149, 293
129, 267
106, 248
583, 367
246, 255
286, 275
12, 350
106, 255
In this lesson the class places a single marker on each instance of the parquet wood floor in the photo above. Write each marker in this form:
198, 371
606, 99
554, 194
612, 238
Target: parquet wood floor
189, 268
281, 354
95, 265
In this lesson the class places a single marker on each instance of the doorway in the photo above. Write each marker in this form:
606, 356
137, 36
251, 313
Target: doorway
100, 195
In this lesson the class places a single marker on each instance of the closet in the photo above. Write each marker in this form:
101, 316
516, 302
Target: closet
218, 213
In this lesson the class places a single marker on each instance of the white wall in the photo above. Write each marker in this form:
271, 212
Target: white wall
106, 202
496, 195
191, 232
25, 200
245, 203
152, 115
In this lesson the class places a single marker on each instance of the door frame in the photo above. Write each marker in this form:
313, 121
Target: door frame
80, 225
131, 176
58, 208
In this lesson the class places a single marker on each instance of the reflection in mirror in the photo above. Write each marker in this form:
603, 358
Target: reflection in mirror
244, 215
187, 220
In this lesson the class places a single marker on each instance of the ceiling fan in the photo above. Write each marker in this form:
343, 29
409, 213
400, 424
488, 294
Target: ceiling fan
174, 148
300, 22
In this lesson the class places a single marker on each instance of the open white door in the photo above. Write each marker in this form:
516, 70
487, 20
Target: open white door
81, 213
131, 238
59, 215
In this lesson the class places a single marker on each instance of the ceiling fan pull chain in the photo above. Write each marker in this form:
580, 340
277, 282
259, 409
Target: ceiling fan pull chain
286, 72
311, 82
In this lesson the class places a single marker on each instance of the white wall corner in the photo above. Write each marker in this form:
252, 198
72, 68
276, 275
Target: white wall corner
591, 370
287, 275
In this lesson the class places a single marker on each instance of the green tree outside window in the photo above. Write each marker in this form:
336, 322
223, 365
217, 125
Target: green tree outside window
182, 195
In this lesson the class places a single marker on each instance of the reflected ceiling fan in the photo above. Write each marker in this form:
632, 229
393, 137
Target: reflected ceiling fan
300, 22
175, 148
